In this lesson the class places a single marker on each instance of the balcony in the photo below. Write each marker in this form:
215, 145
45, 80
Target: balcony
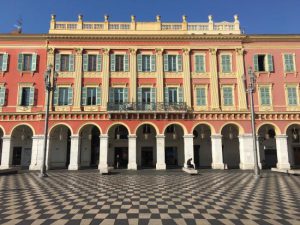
148, 107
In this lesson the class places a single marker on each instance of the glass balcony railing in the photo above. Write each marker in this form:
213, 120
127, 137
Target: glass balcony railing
154, 106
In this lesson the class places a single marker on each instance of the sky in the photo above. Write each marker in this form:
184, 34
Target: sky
256, 16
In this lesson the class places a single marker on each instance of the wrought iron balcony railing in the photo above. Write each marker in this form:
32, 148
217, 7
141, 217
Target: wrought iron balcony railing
154, 107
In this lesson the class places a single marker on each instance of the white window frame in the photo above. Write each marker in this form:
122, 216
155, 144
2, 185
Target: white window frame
294, 62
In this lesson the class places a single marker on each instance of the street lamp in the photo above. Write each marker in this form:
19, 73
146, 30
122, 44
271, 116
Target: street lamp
251, 89
49, 86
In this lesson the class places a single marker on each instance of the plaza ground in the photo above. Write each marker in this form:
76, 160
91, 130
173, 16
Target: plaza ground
149, 197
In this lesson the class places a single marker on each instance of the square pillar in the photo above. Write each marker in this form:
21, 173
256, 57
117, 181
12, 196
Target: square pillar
160, 152
37, 152
132, 165
74, 155
103, 166
217, 154
246, 152
188, 148
6, 159
282, 152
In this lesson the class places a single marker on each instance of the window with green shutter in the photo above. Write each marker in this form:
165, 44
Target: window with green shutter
292, 96
57, 62
265, 96
34, 62
226, 63
270, 63
3, 62
2, 95
99, 63
85, 62
91, 96
126, 62
64, 63
31, 96
20, 62
201, 96
227, 96
113, 62
70, 96
26, 96
99, 96
83, 95
199, 63
63, 96
153, 63
179, 63
71, 63
289, 63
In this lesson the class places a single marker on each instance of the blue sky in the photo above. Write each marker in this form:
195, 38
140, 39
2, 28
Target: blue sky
256, 16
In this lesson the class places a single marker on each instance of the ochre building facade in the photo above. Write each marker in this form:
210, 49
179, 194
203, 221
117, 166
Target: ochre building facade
149, 95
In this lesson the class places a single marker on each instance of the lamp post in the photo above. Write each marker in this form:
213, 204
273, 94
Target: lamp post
251, 90
48, 88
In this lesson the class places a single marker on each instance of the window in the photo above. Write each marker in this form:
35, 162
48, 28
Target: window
227, 96
26, 96
263, 63
91, 96
146, 63
201, 96
64, 62
63, 96
3, 62
118, 95
172, 63
292, 96
289, 63
226, 63
119, 63
27, 62
199, 63
173, 95
2, 95
92, 63
265, 96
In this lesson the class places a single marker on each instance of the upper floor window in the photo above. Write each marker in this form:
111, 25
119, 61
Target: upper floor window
26, 96
173, 95
64, 62
289, 63
227, 96
91, 96
27, 62
146, 95
146, 63
201, 96
63, 96
2, 95
119, 63
200, 63
226, 63
3, 62
265, 97
173, 63
292, 96
263, 63
92, 63
118, 95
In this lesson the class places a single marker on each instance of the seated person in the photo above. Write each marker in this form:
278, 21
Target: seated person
189, 164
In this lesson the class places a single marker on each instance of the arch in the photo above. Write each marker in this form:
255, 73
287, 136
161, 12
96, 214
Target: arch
3, 130
149, 123
62, 124
276, 128
87, 124
118, 123
240, 127
23, 124
175, 123
212, 129
289, 125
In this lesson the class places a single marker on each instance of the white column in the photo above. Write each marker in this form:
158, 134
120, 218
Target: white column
246, 152
74, 154
48, 154
6, 159
37, 152
258, 152
217, 154
160, 154
188, 148
132, 152
103, 166
282, 152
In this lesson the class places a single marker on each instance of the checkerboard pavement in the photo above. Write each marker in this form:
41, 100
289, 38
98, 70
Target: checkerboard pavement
149, 197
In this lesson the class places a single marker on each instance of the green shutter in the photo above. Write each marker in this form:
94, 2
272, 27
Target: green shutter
125, 96
20, 62
153, 95
34, 62
179, 63
166, 95
265, 96
20, 96
166, 65
180, 94
85, 62
57, 62
83, 96
292, 96
31, 96
99, 63
140, 91
226, 63
201, 97
255, 62
139, 63
153, 63
70, 96
71, 62
98, 99
270, 63
227, 96
112, 62
126, 62
2, 95
199, 63
4, 62
111, 95
55, 97
289, 62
